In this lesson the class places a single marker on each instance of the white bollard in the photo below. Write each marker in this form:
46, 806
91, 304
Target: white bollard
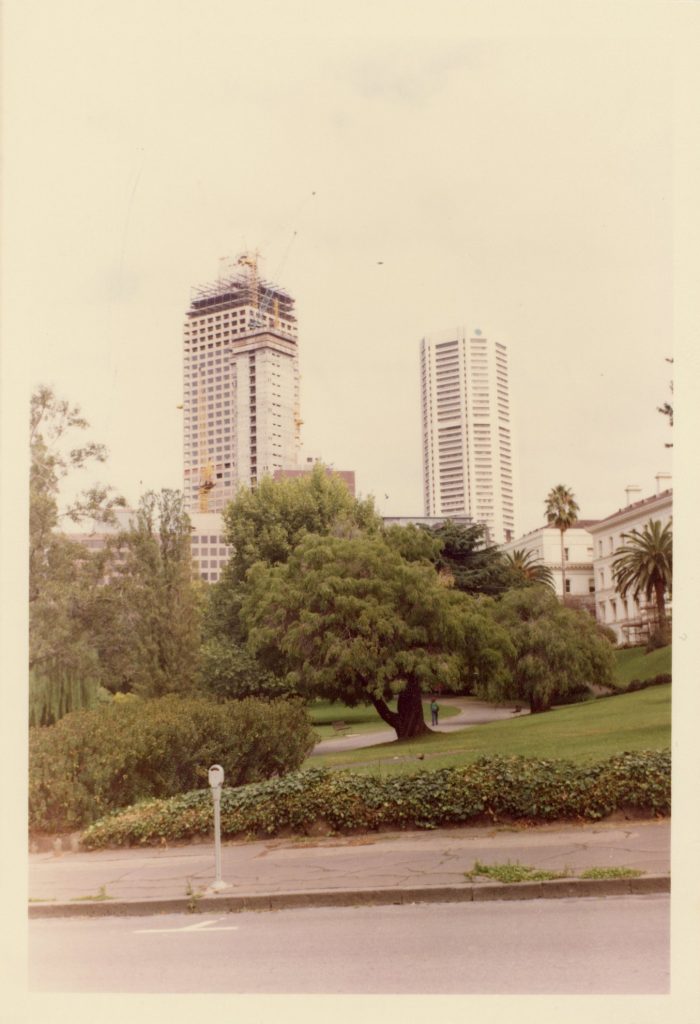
216, 781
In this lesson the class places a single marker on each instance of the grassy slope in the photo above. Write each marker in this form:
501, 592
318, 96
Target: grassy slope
360, 719
635, 664
584, 732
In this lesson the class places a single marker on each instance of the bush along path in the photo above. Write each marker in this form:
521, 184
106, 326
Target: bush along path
491, 789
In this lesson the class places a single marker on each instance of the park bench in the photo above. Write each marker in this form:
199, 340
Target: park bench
340, 726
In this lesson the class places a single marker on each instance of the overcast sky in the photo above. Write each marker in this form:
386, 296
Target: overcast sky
403, 169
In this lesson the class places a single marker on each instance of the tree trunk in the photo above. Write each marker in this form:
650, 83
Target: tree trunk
538, 704
660, 603
563, 567
407, 720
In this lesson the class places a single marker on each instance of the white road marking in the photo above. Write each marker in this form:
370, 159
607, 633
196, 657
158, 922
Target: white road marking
198, 927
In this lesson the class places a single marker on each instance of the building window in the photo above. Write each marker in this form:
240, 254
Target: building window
568, 586
566, 554
591, 586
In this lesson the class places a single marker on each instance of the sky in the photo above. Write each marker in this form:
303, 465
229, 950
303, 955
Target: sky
402, 168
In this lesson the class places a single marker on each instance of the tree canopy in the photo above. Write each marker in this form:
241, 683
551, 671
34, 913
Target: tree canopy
63, 577
351, 620
529, 569
266, 524
476, 566
556, 652
148, 615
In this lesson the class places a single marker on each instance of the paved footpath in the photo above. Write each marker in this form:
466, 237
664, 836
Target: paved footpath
367, 869
471, 712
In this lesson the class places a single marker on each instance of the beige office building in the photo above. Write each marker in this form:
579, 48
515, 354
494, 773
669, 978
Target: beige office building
467, 443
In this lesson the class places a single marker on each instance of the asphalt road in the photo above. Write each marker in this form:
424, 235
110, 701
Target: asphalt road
617, 945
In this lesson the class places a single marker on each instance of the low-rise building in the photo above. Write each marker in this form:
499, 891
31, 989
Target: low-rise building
210, 552
630, 618
545, 544
430, 521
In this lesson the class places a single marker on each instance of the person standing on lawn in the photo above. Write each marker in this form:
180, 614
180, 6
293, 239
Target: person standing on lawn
434, 709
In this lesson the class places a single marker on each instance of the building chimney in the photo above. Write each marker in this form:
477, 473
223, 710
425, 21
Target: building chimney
663, 481
631, 493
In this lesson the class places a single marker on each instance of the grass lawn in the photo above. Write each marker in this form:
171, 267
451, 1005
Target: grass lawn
635, 664
591, 731
361, 719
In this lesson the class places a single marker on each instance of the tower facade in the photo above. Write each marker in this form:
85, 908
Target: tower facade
467, 444
241, 385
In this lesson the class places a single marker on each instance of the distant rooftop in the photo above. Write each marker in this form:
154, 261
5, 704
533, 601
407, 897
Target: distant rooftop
639, 504
580, 524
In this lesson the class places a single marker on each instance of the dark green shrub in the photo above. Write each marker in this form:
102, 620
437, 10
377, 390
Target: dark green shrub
493, 788
660, 637
662, 679
93, 762
227, 671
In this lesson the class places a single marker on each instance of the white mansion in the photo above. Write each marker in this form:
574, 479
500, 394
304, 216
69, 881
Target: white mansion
590, 548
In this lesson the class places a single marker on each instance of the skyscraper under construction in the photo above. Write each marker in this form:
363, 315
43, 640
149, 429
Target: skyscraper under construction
241, 385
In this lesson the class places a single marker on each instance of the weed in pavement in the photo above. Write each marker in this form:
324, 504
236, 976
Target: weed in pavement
611, 873
100, 895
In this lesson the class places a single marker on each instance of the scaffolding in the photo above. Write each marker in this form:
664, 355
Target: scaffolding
638, 631
239, 284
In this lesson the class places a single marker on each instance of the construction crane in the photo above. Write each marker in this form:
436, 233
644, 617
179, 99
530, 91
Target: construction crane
206, 473
249, 260
261, 306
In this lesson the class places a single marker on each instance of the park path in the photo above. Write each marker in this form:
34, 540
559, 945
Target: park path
472, 712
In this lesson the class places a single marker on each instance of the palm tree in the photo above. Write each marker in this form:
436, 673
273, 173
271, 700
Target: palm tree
645, 565
529, 567
561, 511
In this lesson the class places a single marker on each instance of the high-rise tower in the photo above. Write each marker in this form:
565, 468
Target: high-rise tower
241, 385
467, 448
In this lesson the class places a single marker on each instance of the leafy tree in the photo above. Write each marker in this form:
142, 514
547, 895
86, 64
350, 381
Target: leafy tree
266, 524
63, 578
228, 671
475, 566
149, 634
351, 620
556, 652
526, 566
561, 511
414, 543
644, 564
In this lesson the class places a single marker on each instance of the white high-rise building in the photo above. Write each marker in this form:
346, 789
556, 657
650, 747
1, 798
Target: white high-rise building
241, 385
467, 444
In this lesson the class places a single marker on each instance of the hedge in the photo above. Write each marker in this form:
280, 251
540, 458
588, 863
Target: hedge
662, 679
492, 789
93, 762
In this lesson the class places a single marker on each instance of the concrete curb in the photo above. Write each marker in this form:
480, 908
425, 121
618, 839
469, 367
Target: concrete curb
555, 889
